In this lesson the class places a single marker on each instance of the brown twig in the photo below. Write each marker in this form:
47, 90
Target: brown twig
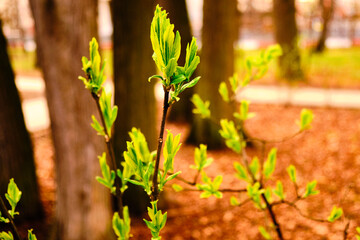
155, 188
346, 229
4, 210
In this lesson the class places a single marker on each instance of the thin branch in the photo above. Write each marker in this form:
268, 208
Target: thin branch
4, 210
155, 188
264, 141
119, 203
346, 229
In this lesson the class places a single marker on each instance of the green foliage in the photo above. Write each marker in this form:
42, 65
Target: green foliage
201, 107
31, 236
3, 219
177, 187
264, 233
335, 214
210, 188
306, 118
270, 163
310, 189
292, 173
121, 226
167, 48
241, 172
234, 201
254, 166
157, 222
109, 113
254, 192
95, 74
234, 83
358, 233
6, 236
229, 132
13, 196
279, 190
200, 158
171, 147
244, 114
224, 92
108, 178
97, 126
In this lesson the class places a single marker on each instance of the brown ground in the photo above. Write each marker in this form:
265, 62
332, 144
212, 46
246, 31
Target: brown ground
329, 153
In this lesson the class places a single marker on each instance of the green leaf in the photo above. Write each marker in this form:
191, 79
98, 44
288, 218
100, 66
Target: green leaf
358, 230
177, 187
210, 188
155, 76
224, 92
310, 189
120, 226
306, 118
191, 60
31, 236
229, 132
241, 172
234, 201
264, 233
279, 191
268, 194
201, 107
108, 178
171, 147
254, 166
4, 220
270, 163
13, 196
97, 126
6, 236
109, 112
234, 82
157, 222
200, 158
292, 173
335, 214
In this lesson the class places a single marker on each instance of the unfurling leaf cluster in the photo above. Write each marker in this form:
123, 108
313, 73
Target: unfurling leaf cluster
158, 220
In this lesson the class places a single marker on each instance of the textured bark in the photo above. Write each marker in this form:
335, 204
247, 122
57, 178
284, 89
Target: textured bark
178, 14
64, 29
217, 64
286, 34
134, 95
327, 7
16, 154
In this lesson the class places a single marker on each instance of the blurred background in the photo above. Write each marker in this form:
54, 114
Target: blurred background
48, 146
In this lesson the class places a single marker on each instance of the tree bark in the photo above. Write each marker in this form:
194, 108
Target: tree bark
64, 29
327, 7
134, 95
217, 64
16, 154
286, 34
178, 14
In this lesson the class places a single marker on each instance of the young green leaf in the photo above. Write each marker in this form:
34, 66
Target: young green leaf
234, 82
157, 222
241, 172
13, 196
310, 189
264, 233
292, 173
272, 52
210, 188
109, 112
306, 118
201, 107
224, 92
335, 214
120, 226
279, 190
254, 166
200, 158
270, 163
358, 233
97, 126
6, 236
229, 132
31, 236
108, 178
234, 201
177, 187
171, 147
4, 220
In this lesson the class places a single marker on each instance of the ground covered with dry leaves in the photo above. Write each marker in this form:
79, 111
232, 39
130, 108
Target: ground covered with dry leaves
329, 153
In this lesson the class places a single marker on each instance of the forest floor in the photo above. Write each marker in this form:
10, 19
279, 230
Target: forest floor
329, 152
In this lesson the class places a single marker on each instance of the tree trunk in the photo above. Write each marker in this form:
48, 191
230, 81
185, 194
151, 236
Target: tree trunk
217, 64
178, 14
327, 7
286, 34
16, 154
134, 95
64, 29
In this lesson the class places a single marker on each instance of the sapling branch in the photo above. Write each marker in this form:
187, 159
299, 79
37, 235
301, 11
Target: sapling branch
4, 210
119, 203
155, 188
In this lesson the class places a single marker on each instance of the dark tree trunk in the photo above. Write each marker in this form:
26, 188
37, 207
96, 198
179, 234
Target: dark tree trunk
134, 95
217, 64
327, 7
286, 34
178, 14
16, 154
64, 29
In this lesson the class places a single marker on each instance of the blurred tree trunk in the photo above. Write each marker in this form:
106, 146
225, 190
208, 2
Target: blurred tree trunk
134, 95
64, 29
286, 34
217, 64
178, 14
16, 154
327, 7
